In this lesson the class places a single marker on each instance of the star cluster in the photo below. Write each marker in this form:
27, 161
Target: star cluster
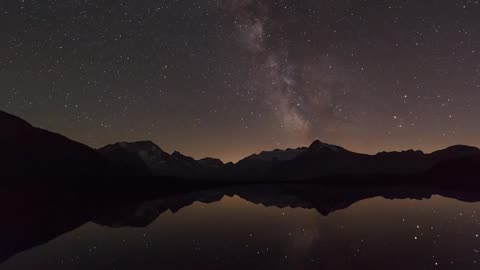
226, 78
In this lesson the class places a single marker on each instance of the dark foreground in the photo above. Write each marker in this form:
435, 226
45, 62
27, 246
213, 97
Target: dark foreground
205, 226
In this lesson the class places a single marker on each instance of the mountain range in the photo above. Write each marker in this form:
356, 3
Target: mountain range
31, 151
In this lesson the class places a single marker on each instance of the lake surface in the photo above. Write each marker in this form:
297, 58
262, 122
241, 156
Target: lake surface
232, 232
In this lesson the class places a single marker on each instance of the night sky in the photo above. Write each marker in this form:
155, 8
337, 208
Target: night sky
227, 78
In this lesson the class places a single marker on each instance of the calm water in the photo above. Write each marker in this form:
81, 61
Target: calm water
234, 233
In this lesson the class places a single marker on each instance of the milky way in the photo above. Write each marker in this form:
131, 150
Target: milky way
227, 78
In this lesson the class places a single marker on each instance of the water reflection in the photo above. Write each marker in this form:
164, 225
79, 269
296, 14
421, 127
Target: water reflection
281, 227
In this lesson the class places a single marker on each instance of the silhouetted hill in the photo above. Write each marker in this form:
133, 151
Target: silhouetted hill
27, 151
319, 162
457, 171
454, 152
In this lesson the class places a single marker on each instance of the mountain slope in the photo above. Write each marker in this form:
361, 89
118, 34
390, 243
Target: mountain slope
31, 151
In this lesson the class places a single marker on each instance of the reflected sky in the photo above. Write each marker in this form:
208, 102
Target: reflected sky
233, 233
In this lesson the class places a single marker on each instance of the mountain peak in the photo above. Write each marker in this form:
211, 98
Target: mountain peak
316, 144
148, 146
148, 151
143, 144
211, 162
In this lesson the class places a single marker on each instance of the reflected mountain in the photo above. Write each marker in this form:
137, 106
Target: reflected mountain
37, 216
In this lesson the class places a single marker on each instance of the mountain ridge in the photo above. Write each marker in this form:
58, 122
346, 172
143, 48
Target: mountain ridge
47, 153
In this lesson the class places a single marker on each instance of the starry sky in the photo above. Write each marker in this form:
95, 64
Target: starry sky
227, 78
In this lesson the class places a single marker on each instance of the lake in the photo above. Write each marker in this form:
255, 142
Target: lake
254, 227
